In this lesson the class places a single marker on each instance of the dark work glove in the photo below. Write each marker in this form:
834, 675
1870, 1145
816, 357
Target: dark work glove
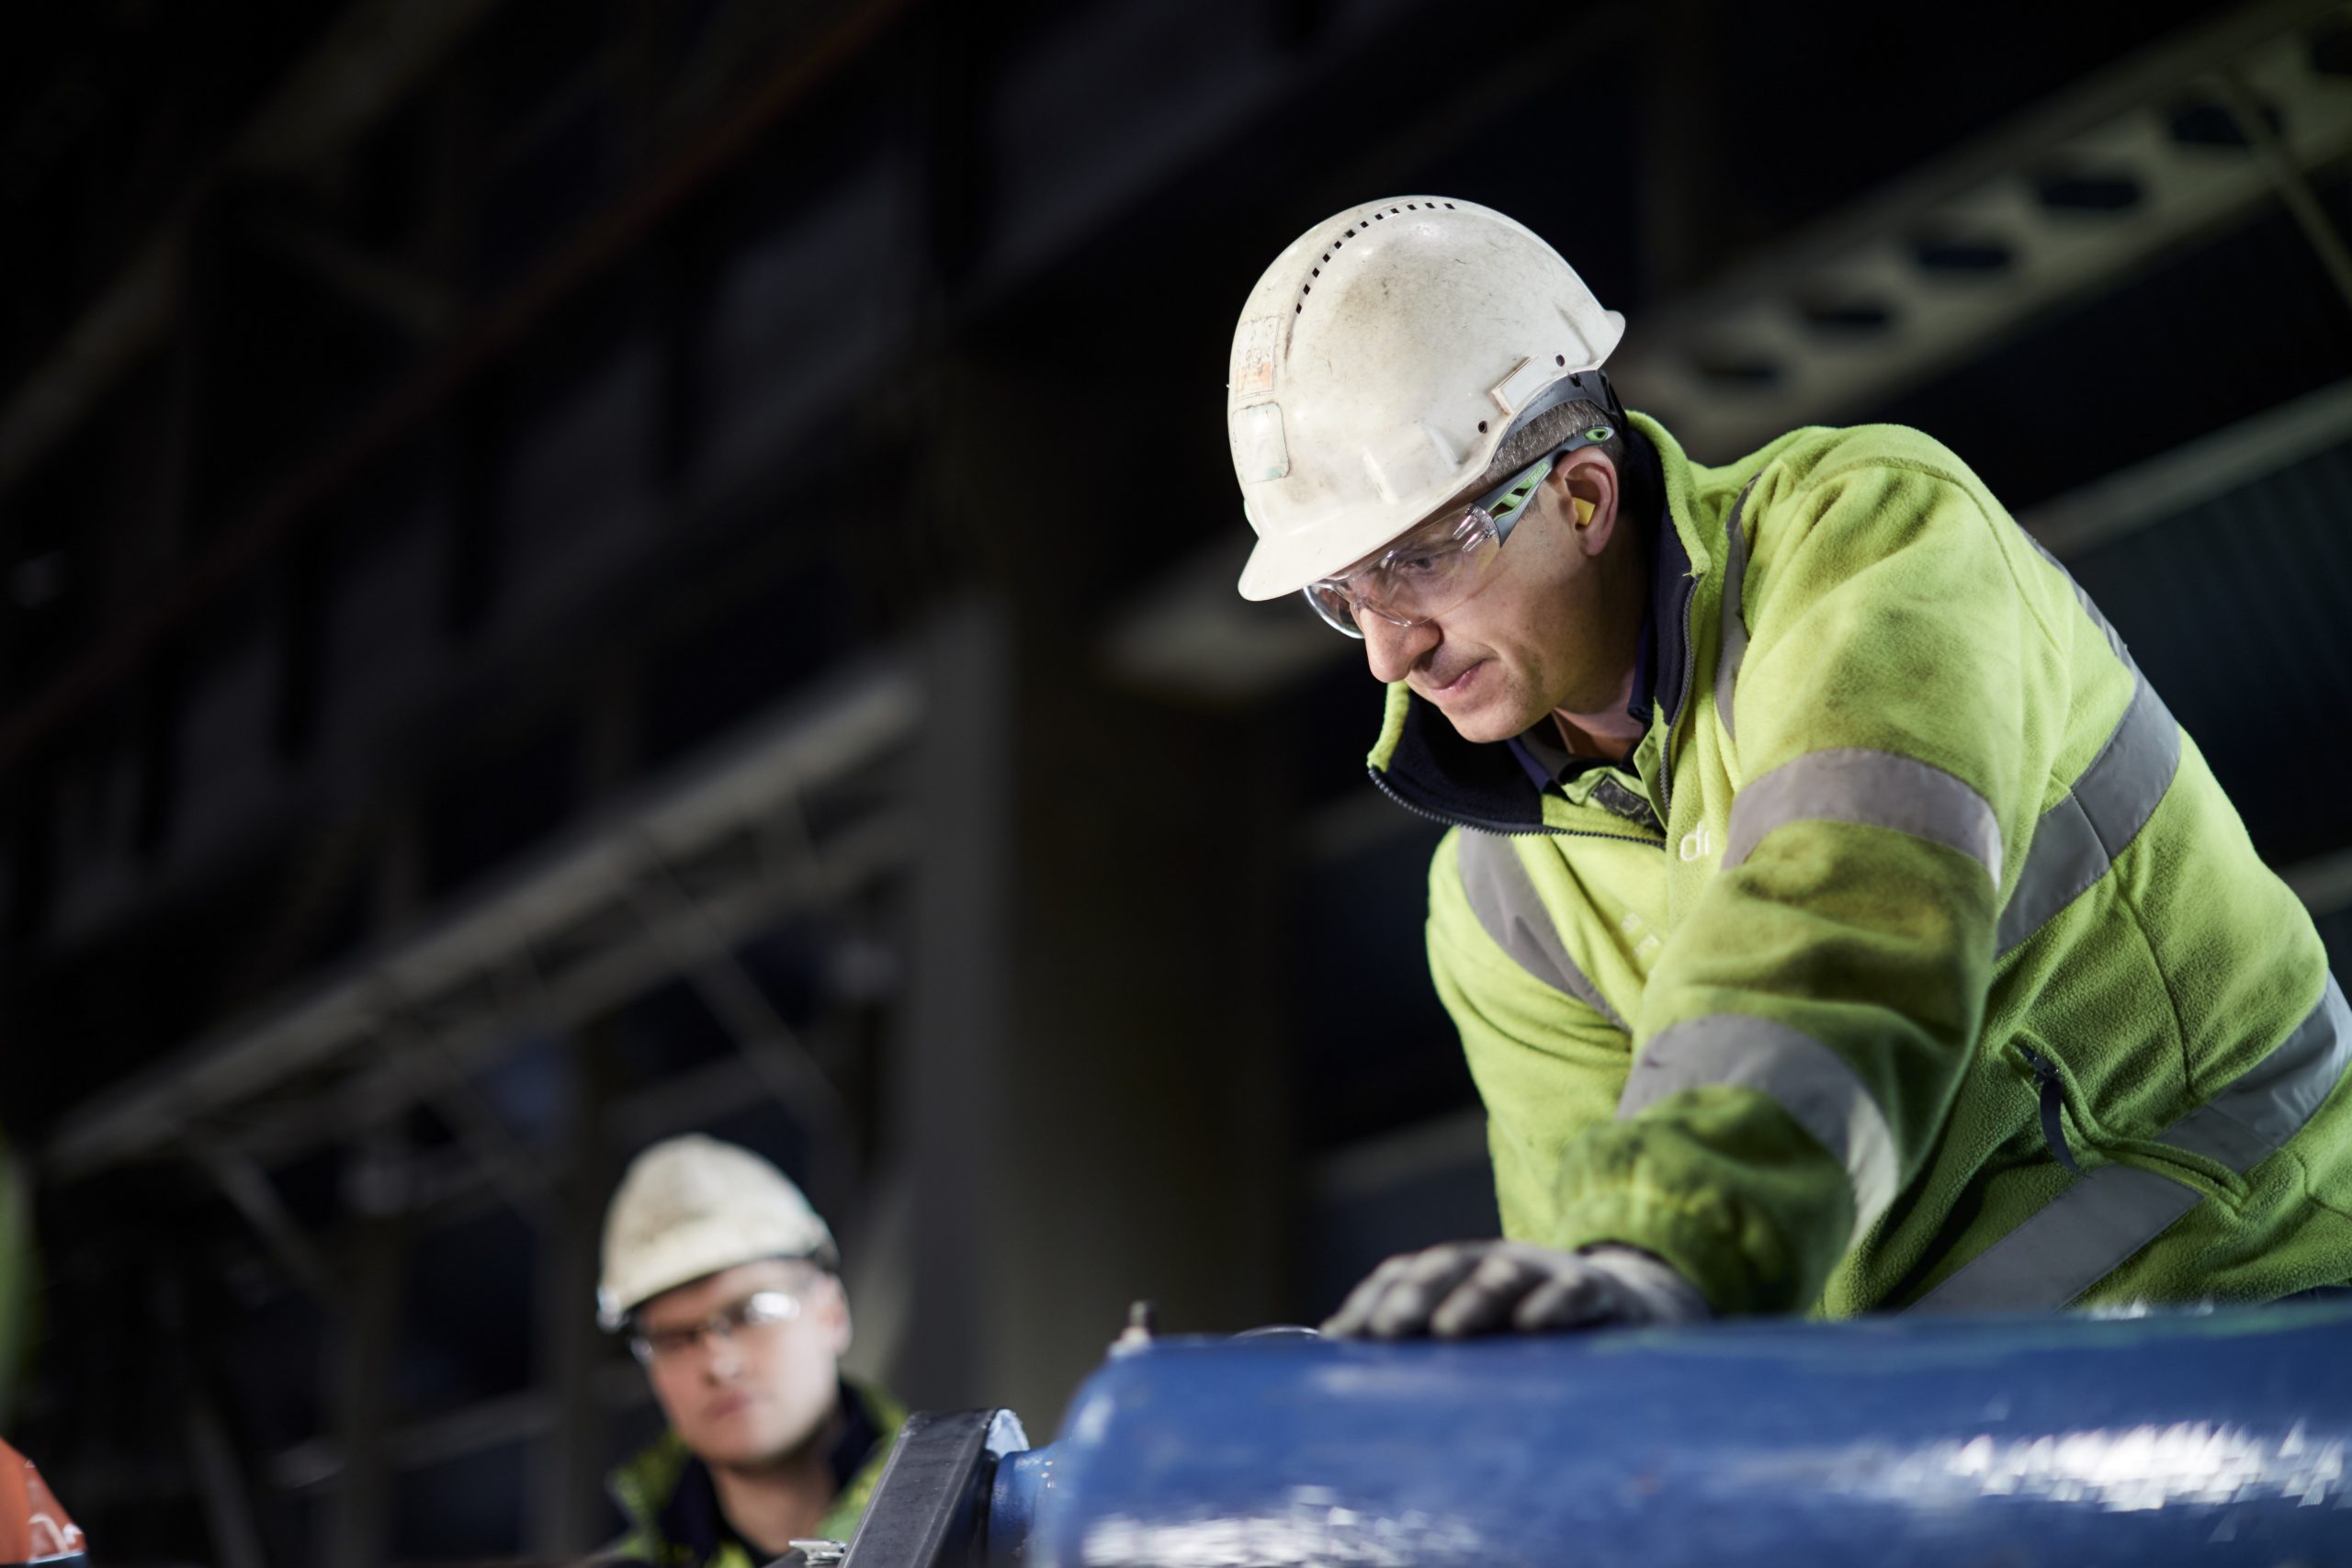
1510, 1287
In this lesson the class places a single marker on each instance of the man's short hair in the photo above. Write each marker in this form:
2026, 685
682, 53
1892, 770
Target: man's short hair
1546, 433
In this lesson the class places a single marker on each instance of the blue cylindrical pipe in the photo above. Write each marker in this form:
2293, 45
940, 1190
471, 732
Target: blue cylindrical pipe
2218, 1438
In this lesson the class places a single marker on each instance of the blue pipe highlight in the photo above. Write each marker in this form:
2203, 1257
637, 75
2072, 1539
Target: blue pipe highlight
2219, 1437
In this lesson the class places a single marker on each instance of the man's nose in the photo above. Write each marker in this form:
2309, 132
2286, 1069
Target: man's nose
722, 1357
1392, 650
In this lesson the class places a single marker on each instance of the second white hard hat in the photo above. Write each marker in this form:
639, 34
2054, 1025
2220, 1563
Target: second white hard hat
1378, 365
691, 1206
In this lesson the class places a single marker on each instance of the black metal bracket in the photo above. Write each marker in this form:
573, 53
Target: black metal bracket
926, 1511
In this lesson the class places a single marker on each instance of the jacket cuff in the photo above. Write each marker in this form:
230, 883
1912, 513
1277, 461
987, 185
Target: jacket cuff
1721, 1184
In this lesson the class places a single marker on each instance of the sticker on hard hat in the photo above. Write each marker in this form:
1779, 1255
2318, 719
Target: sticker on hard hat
1258, 451
1254, 343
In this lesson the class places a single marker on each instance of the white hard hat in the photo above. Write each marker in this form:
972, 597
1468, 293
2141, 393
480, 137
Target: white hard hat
1378, 365
691, 1206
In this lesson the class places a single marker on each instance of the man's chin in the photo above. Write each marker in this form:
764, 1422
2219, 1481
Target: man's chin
1471, 703
741, 1450
751, 1445
1486, 722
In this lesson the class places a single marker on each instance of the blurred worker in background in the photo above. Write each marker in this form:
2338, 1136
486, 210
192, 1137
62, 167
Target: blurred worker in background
725, 1281
1834, 916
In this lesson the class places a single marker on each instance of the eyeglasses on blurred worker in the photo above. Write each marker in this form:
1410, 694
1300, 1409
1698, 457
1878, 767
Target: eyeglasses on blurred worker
724, 1279
1833, 915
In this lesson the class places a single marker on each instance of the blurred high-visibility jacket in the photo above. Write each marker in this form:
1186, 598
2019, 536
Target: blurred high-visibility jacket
1914, 958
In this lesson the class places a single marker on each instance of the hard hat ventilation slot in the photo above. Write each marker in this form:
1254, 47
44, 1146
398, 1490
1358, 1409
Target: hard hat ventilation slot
1362, 225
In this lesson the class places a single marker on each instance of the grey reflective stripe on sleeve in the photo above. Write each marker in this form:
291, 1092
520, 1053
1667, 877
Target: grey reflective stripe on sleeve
1735, 638
2078, 839
1506, 902
2081, 596
1814, 1085
2087, 1231
1877, 789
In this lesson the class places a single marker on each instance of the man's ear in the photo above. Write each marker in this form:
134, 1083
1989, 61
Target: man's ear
832, 1311
1584, 483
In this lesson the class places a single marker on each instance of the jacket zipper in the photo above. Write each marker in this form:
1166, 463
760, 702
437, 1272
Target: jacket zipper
2130, 1154
1682, 698
2051, 1090
1542, 831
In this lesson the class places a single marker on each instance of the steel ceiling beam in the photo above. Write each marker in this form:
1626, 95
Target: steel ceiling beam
369, 61
248, 541
2063, 201
572, 912
2192, 473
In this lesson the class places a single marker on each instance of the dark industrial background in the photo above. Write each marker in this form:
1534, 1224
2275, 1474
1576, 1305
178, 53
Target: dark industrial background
575, 571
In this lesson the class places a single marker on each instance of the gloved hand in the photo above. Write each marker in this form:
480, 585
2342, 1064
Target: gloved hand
1484, 1287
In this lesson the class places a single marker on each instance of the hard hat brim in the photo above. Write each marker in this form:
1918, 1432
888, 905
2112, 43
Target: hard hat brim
1285, 563
692, 1252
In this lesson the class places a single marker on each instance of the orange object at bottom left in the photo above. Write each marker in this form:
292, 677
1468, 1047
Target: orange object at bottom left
34, 1529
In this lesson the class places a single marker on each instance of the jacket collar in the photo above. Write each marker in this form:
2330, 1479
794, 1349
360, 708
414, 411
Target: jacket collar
1423, 765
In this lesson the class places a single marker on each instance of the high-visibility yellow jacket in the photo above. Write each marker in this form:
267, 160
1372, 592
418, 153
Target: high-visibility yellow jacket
1914, 958
673, 1508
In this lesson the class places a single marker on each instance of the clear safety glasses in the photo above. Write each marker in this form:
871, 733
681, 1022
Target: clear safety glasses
1437, 564
674, 1342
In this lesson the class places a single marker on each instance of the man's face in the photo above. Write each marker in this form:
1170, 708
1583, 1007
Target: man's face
749, 1397
1535, 636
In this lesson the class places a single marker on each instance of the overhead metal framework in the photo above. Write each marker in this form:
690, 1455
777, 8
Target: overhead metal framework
659, 887
373, 56
2163, 149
